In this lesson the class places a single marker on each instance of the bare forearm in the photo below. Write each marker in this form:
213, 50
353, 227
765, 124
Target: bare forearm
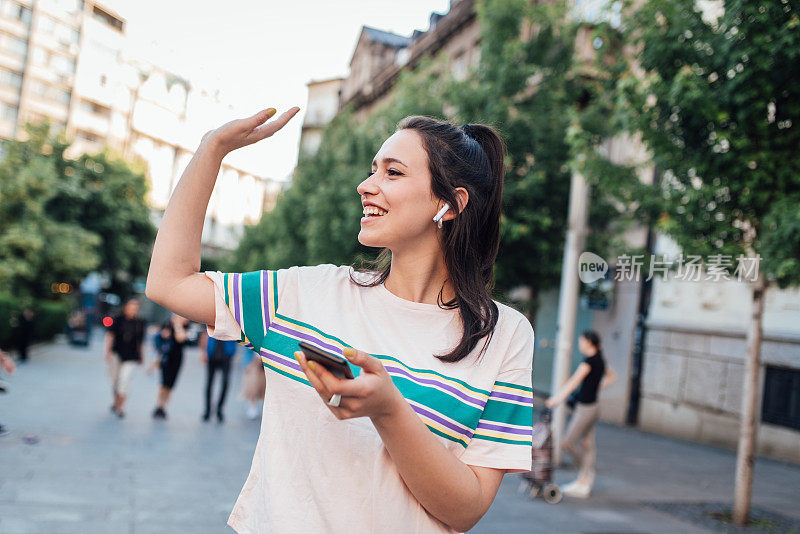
445, 486
176, 252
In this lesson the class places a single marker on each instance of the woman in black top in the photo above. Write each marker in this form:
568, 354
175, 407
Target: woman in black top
591, 375
169, 343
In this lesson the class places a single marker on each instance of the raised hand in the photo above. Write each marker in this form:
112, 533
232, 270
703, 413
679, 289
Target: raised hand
242, 132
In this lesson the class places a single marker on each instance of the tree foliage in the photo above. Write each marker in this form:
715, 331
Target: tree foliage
62, 218
718, 105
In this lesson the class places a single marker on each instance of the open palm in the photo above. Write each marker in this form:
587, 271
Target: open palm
242, 132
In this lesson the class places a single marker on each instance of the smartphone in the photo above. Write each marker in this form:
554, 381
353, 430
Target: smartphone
332, 362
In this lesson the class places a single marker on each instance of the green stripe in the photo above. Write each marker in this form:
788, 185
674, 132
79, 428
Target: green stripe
503, 440
252, 309
515, 386
508, 413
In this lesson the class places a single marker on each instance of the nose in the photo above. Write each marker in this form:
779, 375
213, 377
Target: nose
369, 185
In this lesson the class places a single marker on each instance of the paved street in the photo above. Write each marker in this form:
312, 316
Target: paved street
92, 473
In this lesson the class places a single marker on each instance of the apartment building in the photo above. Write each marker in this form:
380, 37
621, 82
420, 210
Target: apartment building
68, 61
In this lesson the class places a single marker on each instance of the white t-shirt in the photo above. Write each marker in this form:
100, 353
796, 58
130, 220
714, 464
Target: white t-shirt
314, 473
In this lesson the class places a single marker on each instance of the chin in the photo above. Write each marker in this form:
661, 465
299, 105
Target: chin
369, 241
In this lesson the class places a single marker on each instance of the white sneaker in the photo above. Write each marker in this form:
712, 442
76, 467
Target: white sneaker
579, 490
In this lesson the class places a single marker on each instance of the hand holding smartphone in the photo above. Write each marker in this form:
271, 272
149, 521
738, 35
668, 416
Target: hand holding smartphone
334, 363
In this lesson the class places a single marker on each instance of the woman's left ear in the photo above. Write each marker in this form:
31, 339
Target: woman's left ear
463, 198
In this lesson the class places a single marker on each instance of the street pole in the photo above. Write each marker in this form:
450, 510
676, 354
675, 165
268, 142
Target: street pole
568, 300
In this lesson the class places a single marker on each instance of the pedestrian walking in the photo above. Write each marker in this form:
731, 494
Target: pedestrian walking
169, 342
440, 405
592, 375
254, 383
25, 334
7, 364
217, 356
123, 352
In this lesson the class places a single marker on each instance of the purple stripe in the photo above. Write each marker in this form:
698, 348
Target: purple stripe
286, 362
509, 396
430, 381
236, 299
307, 337
444, 422
265, 302
506, 429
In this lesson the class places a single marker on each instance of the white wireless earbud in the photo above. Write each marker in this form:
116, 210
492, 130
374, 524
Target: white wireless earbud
438, 217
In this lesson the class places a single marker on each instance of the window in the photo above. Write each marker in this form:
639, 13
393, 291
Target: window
13, 45
781, 404
22, 14
63, 64
95, 109
9, 78
87, 136
49, 92
8, 112
107, 18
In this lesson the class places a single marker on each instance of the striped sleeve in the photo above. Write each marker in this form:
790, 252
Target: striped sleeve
245, 305
503, 437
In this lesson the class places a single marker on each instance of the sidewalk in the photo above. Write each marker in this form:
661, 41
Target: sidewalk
90, 472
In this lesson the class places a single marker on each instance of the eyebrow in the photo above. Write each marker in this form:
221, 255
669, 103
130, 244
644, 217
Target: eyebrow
390, 160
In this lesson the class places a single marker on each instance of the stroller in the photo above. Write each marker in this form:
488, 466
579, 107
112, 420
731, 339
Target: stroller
539, 481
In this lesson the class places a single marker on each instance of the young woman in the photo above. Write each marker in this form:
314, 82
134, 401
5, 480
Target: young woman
441, 406
591, 376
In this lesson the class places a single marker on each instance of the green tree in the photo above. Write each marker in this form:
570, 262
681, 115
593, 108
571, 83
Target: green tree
112, 205
62, 218
36, 249
718, 106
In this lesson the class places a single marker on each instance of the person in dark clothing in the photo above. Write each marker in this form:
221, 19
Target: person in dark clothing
218, 355
169, 342
24, 334
124, 345
591, 375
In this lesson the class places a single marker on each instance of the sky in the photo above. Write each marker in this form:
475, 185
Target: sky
262, 53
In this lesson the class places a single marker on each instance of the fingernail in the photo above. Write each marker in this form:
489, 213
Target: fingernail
313, 366
271, 112
349, 351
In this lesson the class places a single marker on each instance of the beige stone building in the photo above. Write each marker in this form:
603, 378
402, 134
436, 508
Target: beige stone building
68, 61
324, 98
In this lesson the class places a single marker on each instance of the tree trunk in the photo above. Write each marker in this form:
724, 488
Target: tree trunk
748, 427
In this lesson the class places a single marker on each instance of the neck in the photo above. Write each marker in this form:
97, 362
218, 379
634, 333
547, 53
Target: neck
419, 276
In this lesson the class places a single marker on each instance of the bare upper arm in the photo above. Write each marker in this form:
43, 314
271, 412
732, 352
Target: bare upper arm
489, 479
191, 297
581, 372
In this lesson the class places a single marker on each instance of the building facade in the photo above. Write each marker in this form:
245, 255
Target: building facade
67, 61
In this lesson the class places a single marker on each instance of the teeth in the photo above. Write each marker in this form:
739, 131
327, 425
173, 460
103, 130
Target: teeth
373, 210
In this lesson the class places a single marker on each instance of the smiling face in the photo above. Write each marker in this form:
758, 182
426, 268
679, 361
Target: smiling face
400, 185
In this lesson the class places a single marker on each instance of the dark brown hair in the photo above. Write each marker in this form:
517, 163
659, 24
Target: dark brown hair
472, 157
594, 338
